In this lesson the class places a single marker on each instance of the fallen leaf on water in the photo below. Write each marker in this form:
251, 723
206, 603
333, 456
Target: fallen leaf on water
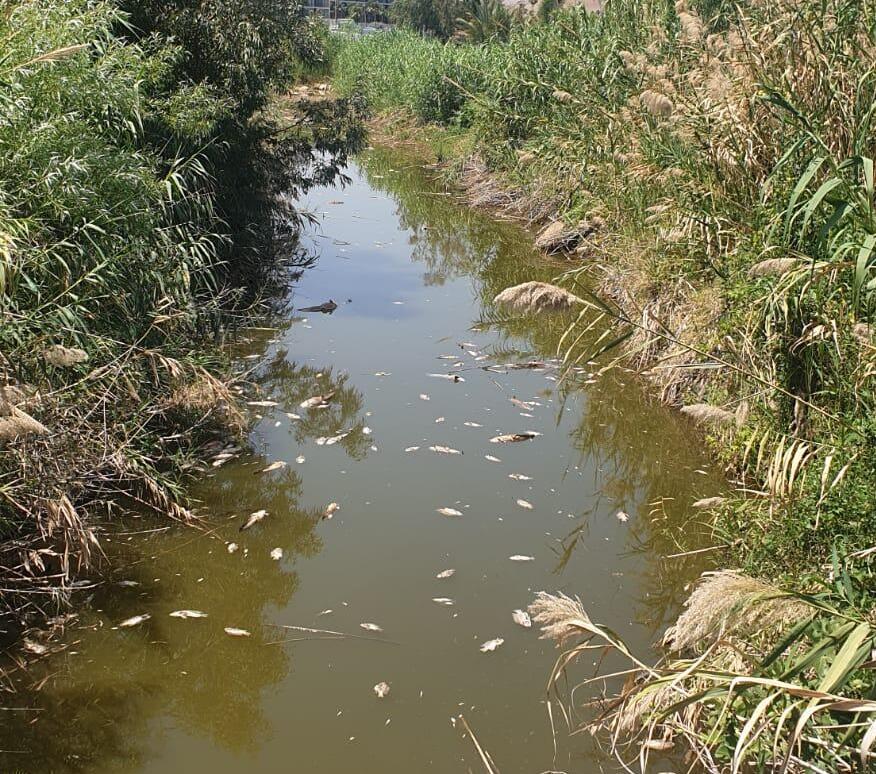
234, 632
274, 466
519, 477
526, 435
382, 690
452, 377
443, 601
491, 458
411, 448
330, 510
491, 645
521, 617
445, 574
188, 614
262, 403
135, 620
521, 558
254, 518
622, 517
423, 396
444, 450
449, 512
277, 554
232, 547
472, 424
525, 504
370, 627
300, 459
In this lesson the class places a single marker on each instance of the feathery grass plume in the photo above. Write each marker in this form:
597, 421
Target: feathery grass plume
64, 357
562, 618
20, 424
709, 502
537, 297
863, 332
562, 96
773, 267
656, 104
727, 603
706, 414
691, 27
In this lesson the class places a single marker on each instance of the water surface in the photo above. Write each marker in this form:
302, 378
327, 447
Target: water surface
413, 273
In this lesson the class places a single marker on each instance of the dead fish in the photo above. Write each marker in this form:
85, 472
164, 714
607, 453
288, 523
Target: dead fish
443, 601
451, 377
444, 450
382, 690
273, 466
277, 554
439, 420
521, 403
254, 518
491, 645
519, 477
526, 435
423, 396
521, 558
491, 458
383, 373
127, 583
521, 617
231, 547
449, 512
370, 627
262, 403
233, 631
410, 449
525, 504
445, 574
527, 364
708, 502
330, 510
622, 517
335, 438
134, 620
472, 424
188, 614
317, 400
300, 459
327, 307
293, 417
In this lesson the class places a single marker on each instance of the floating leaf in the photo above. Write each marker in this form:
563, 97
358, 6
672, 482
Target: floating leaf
330, 510
521, 558
449, 512
274, 466
382, 690
254, 518
444, 450
445, 574
526, 435
232, 631
370, 627
135, 620
521, 618
188, 614
525, 504
491, 645
277, 554
443, 601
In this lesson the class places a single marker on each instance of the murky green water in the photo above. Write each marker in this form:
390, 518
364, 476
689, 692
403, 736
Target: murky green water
181, 695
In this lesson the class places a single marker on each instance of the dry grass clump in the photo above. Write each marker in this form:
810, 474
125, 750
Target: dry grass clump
64, 357
537, 297
705, 414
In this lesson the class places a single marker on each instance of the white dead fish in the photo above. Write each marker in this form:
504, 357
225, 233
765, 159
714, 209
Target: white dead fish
444, 450
439, 420
233, 631
134, 620
300, 459
277, 554
382, 690
491, 645
188, 614
254, 518
335, 438
445, 574
451, 377
525, 405
294, 417
330, 510
521, 558
231, 547
410, 449
622, 517
274, 466
383, 373
521, 618
262, 403
443, 601
317, 400
491, 458
525, 504
526, 435
370, 627
449, 511
519, 477
366, 431
472, 424
423, 396
708, 502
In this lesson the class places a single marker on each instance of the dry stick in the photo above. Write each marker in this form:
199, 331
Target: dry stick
485, 756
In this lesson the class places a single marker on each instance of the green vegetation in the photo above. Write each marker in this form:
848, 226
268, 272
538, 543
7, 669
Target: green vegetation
139, 219
714, 162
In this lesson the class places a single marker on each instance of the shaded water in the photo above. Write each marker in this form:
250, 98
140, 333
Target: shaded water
181, 695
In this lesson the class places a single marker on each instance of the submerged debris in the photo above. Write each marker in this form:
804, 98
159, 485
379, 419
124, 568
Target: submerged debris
537, 297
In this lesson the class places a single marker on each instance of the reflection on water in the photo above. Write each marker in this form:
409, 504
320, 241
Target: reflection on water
413, 274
